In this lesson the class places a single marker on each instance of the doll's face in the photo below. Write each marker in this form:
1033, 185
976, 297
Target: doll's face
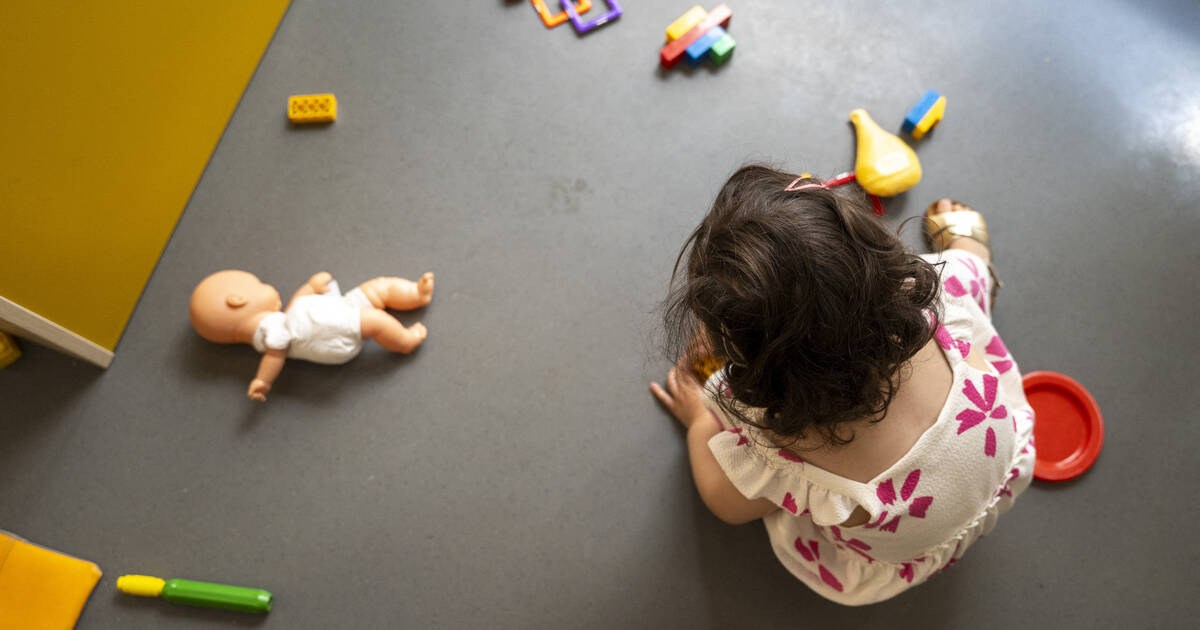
226, 301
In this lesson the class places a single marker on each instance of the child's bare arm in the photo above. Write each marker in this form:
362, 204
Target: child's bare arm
719, 494
684, 398
315, 284
268, 371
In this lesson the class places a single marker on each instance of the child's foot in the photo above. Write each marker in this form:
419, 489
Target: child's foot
955, 225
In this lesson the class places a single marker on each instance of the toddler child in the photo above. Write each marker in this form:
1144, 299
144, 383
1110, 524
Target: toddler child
867, 412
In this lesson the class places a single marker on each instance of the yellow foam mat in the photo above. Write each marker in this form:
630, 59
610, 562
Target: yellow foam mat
110, 112
42, 589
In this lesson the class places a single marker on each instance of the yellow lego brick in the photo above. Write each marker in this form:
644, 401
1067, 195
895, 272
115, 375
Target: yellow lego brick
685, 22
931, 118
311, 108
9, 351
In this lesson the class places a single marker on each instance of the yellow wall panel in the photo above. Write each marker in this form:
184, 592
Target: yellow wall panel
109, 112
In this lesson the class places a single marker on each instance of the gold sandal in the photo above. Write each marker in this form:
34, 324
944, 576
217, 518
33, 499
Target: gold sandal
943, 227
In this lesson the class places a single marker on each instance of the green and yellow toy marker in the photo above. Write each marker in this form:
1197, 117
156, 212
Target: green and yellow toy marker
239, 598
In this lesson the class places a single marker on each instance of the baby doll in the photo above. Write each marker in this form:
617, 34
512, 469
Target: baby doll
319, 324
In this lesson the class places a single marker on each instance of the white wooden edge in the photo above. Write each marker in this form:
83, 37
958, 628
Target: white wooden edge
20, 321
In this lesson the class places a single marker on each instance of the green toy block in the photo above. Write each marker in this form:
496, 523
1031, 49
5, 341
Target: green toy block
720, 51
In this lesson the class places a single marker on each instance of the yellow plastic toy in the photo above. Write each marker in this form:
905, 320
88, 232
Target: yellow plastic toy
885, 165
707, 366
311, 108
41, 588
9, 351
685, 22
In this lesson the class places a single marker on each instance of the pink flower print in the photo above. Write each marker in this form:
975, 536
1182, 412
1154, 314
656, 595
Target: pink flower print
953, 561
786, 454
741, 438
948, 343
1006, 489
1028, 413
789, 503
812, 553
828, 578
890, 527
996, 348
906, 569
969, 418
887, 494
977, 284
854, 544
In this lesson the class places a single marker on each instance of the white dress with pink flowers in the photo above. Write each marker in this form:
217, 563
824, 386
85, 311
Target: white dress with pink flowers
926, 509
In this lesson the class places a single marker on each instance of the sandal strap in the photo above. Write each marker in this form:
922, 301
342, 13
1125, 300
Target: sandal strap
947, 226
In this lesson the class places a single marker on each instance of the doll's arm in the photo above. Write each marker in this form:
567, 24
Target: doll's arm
315, 285
268, 370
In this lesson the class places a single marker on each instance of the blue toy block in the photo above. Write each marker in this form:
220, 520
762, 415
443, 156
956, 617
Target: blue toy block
699, 49
919, 110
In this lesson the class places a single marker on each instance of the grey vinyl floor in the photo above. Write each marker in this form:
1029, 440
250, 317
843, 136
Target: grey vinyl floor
515, 472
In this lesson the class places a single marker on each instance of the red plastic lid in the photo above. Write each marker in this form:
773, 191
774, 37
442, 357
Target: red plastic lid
1068, 430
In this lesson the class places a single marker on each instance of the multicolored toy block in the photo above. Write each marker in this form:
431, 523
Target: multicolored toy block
312, 108
677, 48
551, 21
699, 48
925, 114
614, 12
685, 22
722, 50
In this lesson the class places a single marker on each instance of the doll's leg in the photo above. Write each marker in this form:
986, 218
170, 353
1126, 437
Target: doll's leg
398, 293
386, 331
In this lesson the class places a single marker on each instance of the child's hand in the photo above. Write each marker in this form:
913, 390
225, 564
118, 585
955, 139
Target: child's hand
684, 397
319, 280
258, 390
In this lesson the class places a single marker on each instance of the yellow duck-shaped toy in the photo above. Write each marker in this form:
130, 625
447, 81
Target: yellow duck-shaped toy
885, 166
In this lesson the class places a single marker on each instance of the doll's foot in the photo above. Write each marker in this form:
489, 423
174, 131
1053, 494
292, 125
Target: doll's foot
415, 335
390, 333
397, 293
425, 288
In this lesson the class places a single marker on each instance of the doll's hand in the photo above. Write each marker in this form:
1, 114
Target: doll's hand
258, 390
684, 397
319, 280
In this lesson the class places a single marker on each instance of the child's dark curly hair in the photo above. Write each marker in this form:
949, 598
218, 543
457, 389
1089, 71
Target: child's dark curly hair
816, 305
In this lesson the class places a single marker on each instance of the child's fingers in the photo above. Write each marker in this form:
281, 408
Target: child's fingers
661, 395
673, 381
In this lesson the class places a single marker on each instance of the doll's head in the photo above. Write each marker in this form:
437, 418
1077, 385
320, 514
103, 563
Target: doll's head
225, 306
814, 302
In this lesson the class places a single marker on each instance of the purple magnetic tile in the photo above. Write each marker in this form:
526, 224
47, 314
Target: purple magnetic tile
614, 12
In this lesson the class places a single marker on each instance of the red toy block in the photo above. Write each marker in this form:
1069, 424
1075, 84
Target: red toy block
673, 52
